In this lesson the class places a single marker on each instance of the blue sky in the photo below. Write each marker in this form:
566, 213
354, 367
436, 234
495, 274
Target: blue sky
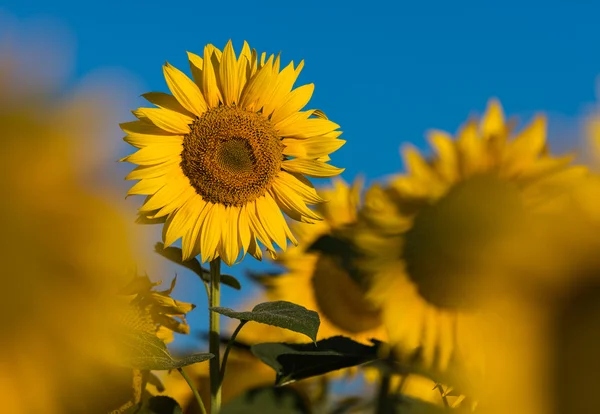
385, 71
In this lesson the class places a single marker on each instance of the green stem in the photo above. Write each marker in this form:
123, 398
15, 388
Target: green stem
194, 390
382, 396
228, 348
215, 337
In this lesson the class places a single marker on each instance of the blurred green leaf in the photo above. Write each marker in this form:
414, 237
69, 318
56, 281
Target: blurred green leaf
145, 351
175, 255
282, 314
268, 400
293, 362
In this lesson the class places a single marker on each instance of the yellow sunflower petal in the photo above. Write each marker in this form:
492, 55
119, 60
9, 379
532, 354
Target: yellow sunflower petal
190, 242
270, 217
293, 202
471, 150
230, 236
164, 100
311, 147
228, 75
244, 70
211, 91
141, 141
523, 151
211, 231
196, 67
257, 87
147, 186
167, 199
154, 154
447, 160
151, 171
293, 102
311, 168
257, 227
185, 90
285, 81
297, 183
306, 128
254, 249
245, 235
179, 221
492, 123
142, 128
166, 119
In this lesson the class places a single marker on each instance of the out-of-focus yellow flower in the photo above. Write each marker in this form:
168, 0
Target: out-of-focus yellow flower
161, 314
222, 156
63, 261
545, 345
320, 281
433, 236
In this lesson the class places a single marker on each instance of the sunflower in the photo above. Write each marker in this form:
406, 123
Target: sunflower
320, 279
434, 237
220, 157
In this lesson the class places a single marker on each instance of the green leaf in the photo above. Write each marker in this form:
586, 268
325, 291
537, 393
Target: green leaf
268, 400
282, 314
145, 351
175, 255
293, 362
231, 281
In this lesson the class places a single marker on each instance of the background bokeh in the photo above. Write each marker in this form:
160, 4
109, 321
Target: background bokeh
385, 71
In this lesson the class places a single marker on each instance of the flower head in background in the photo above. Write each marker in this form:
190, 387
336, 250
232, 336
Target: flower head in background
227, 151
435, 235
318, 274
155, 311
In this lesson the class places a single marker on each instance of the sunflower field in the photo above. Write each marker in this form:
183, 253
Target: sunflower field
243, 270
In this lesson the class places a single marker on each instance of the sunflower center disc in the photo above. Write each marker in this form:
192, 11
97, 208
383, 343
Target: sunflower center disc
231, 156
451, 242
340, 299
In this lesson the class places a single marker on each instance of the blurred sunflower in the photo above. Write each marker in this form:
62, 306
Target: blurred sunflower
221, 156
149, 311
432, 236
321, 278
155, 311
69, 249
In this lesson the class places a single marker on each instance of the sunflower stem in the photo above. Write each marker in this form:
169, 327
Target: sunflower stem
215, 337
194, 390
383, 394
228, 348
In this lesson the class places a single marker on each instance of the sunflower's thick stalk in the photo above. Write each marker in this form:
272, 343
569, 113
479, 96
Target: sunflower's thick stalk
215, 337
